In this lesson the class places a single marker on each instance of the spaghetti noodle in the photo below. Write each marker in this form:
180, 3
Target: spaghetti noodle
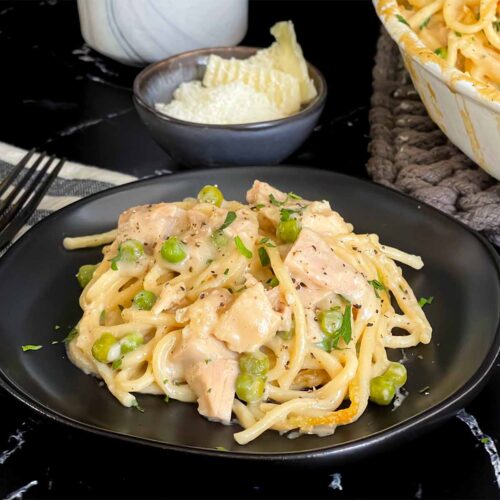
466, 33
278, 301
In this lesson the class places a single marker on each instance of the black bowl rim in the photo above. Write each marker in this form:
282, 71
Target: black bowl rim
348, 451
316, 104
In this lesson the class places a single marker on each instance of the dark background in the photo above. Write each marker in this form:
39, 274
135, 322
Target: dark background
83, 110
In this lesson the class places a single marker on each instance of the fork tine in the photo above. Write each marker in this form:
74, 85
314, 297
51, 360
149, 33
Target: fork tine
11, 211
27, 176
15, 172
24, 214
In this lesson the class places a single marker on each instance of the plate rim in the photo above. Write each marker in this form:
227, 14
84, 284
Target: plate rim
371, 444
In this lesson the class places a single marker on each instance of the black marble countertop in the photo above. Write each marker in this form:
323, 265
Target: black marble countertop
60, 95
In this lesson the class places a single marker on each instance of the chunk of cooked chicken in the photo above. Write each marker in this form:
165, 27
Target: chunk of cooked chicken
315, 215
202, 315
213, 382
150, 223
249, 322
205, 362
318, 271
284, 311
319, 217
170, 296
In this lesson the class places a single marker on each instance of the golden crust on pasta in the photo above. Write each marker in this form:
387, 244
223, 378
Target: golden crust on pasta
466, 33
274, 311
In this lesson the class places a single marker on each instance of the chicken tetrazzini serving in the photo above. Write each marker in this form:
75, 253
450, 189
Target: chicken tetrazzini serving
275, 312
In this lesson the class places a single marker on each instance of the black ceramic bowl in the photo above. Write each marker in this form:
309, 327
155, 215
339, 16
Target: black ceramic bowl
195, 144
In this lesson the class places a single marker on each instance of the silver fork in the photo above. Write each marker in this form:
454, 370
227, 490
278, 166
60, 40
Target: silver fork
29, 186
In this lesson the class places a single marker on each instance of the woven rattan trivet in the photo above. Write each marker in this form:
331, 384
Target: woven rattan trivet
411, 154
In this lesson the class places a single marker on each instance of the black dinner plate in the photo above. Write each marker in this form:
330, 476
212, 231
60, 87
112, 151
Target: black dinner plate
39, 301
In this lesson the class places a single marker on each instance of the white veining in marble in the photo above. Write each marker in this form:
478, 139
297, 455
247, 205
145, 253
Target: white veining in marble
84, 54
484, 439
21, 491
88, 123
18, 439
419, 492
336, 483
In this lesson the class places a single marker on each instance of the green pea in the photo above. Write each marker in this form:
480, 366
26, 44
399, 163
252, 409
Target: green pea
330, 320
144, 300
255, 363
131, 251
85, 274
211, 194
286, 334
249, 387
102, 345
130, 342
382, 390
173, 250
219, 239
288, 230
397, 373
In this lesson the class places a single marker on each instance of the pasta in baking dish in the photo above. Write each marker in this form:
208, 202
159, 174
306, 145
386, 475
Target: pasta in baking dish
274, 311
466, 33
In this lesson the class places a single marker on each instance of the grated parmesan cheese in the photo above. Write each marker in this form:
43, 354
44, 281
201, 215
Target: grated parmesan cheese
228, 104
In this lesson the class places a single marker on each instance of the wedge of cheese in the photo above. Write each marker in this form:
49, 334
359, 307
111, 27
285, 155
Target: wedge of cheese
283, 89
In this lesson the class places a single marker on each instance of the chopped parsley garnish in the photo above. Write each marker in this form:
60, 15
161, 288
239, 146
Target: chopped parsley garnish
226, 271
286, 214
242, 248
266, 241
377, 285
259, 206
422, 301
458, 34
264, 257
137, 406
71, 335
166, 399
401, 19
102, 317
485, 440
289, 196
272, 282
117, 364
274, 201
442, 52
221, 448
344, 332
230, 218
496, 25
31, 347
425, 23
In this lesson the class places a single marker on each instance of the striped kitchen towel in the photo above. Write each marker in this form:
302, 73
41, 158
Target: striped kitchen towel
73, 182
